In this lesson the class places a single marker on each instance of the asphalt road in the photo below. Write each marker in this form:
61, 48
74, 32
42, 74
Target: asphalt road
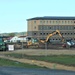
26, 71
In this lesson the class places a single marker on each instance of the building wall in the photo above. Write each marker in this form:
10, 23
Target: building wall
41, 28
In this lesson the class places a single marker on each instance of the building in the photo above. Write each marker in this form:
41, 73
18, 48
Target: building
17, 39
40, 27
13, 39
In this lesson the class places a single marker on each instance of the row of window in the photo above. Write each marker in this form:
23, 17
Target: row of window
60, 39
46, 27
61, 33
54, 21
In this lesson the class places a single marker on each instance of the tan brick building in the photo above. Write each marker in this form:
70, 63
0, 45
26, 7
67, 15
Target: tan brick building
40, 27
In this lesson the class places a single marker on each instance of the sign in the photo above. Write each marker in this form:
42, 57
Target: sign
10, 47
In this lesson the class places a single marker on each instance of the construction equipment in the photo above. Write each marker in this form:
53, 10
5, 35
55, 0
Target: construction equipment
2, 44
69, 44
35, 41
50, 35
65, 43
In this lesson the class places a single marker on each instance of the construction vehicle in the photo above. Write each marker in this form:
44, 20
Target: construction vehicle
32, 42
50, 35
2, 44
69, 44
37, 41
65, 43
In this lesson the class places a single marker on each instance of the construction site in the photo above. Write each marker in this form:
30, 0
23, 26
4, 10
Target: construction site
42, 50
37, 37
35, 43
46, 33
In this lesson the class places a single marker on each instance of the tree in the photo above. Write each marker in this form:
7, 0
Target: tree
11, 34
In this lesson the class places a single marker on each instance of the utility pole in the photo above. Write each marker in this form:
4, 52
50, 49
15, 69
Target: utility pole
22, 41
46, 49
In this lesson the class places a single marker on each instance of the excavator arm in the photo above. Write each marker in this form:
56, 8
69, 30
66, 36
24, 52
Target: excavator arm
50, 35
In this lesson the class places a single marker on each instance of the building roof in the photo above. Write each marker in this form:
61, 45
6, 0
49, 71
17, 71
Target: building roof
22, 36
52, 18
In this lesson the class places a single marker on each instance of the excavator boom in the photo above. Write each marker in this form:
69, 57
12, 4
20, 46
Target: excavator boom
50, 35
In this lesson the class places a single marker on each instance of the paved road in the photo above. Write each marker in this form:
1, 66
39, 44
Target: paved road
25, 71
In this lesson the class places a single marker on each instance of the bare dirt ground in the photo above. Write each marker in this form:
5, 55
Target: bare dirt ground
42, 52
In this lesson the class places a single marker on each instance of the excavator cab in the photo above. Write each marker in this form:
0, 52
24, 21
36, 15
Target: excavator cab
32, 41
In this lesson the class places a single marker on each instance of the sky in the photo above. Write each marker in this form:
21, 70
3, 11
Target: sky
14, 13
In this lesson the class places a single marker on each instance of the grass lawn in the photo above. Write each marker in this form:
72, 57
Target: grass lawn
6, 62
61, 59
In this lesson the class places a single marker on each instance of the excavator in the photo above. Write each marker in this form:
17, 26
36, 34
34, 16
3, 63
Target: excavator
36, 41
33, 41
50, 35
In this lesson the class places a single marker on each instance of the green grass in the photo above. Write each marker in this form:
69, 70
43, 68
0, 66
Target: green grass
6, 62
61, 59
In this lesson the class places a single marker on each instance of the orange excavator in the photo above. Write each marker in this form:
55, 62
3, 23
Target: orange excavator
36, 41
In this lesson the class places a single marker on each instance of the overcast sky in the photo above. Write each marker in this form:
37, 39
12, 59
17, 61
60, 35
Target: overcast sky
13, 13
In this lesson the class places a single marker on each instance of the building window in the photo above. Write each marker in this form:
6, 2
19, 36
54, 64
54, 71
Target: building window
46, 27
65, 21
68, 21
53, 21
74, 21
34, 33
62, 21
56, 21
43, 33
47, 21
71, 21
68, 33
40, 33
74, 27
47, 33
65, 33
34, 27
68, 27
49, 27
71, 33
50, 21
34, 21
40, 21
